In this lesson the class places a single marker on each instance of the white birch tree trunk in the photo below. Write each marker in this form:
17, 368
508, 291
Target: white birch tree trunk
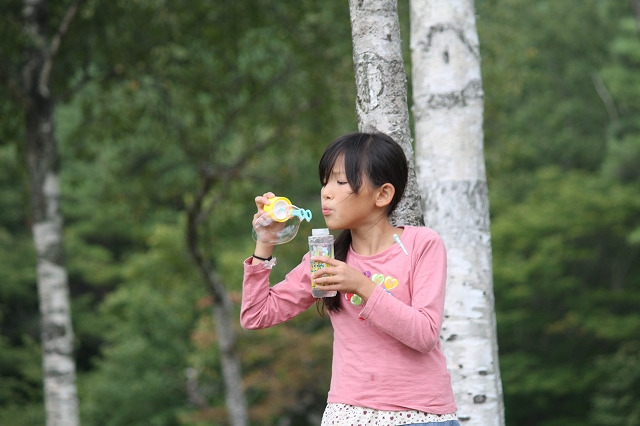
61, 402
448, 113
381, 87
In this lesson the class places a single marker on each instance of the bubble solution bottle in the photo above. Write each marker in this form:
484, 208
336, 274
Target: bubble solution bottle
320, 244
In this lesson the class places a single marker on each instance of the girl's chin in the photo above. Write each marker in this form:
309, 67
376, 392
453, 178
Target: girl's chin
331, 227
334, 225
335, 228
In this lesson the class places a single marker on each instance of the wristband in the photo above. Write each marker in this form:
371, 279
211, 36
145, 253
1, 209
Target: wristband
262, 258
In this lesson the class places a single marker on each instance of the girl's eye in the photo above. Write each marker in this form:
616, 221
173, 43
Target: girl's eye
342, 183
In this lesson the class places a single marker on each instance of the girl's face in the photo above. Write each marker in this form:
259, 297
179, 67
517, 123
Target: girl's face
341, 207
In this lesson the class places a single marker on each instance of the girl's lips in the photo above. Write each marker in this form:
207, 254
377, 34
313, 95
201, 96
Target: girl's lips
326, 211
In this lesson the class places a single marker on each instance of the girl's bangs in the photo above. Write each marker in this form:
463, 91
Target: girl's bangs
327, 162
351, 147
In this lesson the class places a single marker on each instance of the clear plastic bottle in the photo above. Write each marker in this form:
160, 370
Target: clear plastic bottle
320, 244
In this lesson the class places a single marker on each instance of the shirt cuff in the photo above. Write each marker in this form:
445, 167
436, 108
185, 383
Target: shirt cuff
371, 302
249, 267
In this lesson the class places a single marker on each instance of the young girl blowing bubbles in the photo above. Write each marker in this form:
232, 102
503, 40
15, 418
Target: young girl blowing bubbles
388, 367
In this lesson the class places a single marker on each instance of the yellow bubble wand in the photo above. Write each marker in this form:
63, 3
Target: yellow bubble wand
280, 222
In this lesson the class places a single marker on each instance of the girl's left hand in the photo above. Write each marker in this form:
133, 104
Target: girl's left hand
342, 277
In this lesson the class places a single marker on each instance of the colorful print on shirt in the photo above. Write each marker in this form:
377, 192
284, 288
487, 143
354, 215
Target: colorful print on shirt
388, 283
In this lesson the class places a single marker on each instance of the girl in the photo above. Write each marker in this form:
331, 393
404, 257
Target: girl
388, 368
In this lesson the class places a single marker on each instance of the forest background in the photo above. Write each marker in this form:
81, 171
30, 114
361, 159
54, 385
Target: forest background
150, 91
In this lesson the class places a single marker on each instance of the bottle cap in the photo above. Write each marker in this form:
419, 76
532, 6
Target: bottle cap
319, 232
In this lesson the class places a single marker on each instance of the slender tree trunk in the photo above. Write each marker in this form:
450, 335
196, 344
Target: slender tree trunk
61, 400
448, 110
222, 311
635, 4
381, 87
231, 370
212, 175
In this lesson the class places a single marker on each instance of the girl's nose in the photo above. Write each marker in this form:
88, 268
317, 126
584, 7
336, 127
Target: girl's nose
324, 193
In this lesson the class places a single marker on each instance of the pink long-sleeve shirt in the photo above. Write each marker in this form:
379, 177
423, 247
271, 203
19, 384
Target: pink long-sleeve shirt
386, 353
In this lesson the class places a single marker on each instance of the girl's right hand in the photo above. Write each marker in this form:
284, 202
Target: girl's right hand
267, 229
262, 201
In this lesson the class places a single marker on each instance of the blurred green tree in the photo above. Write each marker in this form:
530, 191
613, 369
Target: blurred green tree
143, 88
176, 120
565, 254
617, 84
30, 85
153, 97
617, 400
567, 290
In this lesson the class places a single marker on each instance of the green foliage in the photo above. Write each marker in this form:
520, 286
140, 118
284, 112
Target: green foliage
140, 378
20, 356
538, 61
622, 80
617, 401
20, 366
566, 283
559, 85
290, 379
151, 93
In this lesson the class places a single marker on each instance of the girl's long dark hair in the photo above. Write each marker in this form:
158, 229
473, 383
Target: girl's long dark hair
375, 157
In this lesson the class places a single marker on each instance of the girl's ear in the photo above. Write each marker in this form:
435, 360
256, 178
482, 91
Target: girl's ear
385, 194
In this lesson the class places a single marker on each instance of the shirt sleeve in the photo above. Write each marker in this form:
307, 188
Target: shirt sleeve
264, 306
418, 325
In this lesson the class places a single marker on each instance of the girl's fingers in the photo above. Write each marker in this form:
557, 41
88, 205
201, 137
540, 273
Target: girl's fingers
328, 260
265, 197
263, 200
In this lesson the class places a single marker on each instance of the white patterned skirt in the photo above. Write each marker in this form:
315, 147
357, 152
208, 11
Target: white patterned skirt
350, 415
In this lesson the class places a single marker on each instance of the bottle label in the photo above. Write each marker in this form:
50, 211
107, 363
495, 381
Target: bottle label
316, 266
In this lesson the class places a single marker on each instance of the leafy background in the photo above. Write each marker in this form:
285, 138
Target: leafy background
150, 90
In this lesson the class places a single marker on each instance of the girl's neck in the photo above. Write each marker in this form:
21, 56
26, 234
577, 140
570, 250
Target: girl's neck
375, 239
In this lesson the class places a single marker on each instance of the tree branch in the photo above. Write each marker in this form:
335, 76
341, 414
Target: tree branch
227, 173
197, 214
607, 99
213, 283
210, 176
193, 391
235, 112
52, 51
635, 4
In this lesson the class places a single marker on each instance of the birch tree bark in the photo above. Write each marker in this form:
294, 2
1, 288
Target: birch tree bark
381, 87
61, 402
448, 110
